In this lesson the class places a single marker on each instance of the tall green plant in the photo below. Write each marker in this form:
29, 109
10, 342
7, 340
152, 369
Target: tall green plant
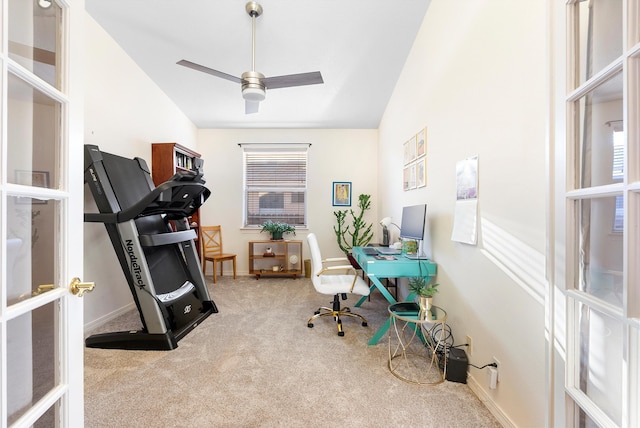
351, 229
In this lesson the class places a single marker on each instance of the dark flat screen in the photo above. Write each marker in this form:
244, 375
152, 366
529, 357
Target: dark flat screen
412, 226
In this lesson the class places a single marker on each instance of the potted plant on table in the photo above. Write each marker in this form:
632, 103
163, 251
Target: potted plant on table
277, 229
425, 290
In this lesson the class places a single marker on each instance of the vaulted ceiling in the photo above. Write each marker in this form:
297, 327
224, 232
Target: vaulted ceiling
359, 47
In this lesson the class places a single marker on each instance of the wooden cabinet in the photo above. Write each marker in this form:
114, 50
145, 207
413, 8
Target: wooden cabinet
169, 158
275, 258
166, 160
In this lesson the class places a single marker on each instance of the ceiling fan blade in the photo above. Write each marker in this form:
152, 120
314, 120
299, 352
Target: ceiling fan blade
312, 78
251, 107
208, 70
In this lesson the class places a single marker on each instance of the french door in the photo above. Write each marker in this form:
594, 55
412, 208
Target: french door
596, 205
41, 323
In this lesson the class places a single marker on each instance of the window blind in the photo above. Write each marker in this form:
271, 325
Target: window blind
275, 185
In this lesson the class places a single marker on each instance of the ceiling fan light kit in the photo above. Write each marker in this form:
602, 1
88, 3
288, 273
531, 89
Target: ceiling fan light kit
255, 84
252, 87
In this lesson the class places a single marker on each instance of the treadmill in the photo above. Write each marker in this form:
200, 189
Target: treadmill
150, 233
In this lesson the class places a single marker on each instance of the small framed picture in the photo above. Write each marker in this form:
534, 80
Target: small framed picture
341, 193
421, 172
409, 150
406, 178
421, 143
33, 178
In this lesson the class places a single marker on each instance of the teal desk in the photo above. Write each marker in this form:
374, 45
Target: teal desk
399, 268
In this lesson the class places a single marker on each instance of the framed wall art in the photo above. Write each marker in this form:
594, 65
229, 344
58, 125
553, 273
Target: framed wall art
414, 156
341, 193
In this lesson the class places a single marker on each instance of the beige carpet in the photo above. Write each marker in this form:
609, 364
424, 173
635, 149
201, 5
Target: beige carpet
257, 364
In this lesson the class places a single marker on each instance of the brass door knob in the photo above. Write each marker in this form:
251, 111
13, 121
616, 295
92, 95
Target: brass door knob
78, 287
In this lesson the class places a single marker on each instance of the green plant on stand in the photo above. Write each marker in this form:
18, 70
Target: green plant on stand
277, 229
356, 234
425, 290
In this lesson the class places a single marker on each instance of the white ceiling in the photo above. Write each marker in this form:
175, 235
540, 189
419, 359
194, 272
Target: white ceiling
359, 46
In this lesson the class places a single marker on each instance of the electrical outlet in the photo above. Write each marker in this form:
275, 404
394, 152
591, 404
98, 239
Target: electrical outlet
497, 363
469, 345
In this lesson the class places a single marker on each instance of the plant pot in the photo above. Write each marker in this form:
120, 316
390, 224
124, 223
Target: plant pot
276, 236
425, 303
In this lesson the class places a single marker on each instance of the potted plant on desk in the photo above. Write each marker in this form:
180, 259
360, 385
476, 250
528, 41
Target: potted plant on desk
277, 229
425, 290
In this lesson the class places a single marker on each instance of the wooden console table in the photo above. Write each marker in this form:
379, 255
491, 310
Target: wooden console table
286, 258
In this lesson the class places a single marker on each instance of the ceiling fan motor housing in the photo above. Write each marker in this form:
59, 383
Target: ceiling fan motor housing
252, 87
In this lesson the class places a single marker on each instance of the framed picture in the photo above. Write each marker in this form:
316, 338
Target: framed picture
412, 176
35, 179
421, 173
421, 143
341, 193
405, 178
32, 178
409, 150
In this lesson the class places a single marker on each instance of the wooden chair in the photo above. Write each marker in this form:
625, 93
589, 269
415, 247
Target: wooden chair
212, 250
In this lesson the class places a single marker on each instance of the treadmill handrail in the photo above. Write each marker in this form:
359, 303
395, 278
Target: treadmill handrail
145, 206
159, 239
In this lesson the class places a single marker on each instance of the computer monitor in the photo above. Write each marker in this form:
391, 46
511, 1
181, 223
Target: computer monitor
413, 221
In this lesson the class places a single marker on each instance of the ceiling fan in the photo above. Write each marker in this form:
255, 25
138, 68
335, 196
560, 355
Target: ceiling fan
255, 84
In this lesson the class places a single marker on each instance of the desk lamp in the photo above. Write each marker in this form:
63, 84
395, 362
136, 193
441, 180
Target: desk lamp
385, 223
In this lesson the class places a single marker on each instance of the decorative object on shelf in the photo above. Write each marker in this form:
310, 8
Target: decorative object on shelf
356, 234
277, 229
293, 260
425, 290
341, 193
385, 223
268, 252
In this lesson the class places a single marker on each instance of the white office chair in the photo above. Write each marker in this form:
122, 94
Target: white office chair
337, 280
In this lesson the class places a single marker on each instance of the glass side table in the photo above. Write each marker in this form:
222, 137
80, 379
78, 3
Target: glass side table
415, 355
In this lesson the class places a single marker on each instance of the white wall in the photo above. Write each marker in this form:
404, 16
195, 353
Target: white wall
476, 79
124, 113
334, 155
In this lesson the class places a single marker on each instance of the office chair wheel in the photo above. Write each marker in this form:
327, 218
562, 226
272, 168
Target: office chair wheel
316, 312
310, 325
341, 333
364, 323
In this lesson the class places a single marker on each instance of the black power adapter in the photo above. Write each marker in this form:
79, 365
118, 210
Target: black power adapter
457, 365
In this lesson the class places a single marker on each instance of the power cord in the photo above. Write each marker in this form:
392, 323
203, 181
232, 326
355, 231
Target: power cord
486, 365
473, 365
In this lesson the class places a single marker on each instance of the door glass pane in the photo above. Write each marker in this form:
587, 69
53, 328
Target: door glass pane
31, 359
584, 421
600, 249
33, 136
31, 247
33, 37
598, 145
601, 362
600, 39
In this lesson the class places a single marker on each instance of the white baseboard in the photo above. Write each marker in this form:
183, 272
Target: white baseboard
108, 317
496, 411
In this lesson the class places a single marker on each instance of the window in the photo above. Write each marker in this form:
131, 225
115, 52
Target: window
275, 183
618, 173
